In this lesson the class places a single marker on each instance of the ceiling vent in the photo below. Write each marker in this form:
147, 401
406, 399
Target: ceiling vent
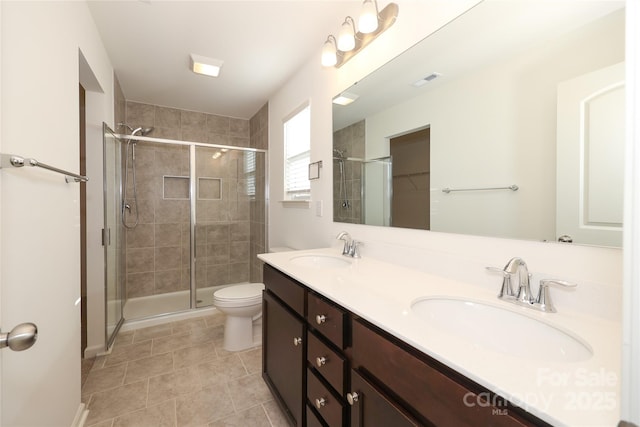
423, 81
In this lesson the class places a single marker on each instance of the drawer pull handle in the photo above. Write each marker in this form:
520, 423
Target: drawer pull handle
352, 398
320, 402
320, 319
297, 341
321, 361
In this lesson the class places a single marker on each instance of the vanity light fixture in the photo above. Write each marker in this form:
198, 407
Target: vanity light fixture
329, 52
368, 21
206, 66
347, 35
345, 98
371, 24
219, 154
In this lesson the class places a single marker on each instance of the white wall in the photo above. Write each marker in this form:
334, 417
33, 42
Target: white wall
631, 314
597, 270
40, 212
1, 194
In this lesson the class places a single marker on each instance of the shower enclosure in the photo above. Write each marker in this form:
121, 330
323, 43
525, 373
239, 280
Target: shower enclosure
362, 189
199, 215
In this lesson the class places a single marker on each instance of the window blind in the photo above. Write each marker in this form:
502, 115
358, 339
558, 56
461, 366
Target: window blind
297, 141
250, 172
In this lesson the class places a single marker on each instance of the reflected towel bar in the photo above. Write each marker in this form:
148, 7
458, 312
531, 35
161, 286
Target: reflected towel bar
511, 187
18, 162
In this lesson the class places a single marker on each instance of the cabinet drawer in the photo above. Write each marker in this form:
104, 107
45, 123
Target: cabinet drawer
326, 318
327, 362
331, 409
423, 384
285, 288
312, 419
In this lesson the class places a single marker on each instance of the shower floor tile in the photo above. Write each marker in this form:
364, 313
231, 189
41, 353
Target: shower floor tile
178, 375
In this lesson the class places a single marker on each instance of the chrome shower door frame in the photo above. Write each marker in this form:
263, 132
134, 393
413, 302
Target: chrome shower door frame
113, 265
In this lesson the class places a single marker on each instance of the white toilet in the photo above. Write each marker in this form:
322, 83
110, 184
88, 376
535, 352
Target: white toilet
242, 304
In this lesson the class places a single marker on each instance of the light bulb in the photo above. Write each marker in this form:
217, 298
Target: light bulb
329, 55
346, 36
368, 21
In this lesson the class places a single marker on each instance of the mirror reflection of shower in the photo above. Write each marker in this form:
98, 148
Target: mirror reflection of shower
340, 157
131, 154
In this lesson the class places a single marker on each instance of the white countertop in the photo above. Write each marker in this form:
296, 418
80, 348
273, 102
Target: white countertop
585, 393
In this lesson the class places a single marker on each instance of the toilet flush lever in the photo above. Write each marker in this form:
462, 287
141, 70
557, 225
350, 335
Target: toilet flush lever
20, 338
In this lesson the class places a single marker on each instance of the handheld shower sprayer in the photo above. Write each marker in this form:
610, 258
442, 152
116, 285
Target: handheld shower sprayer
131, 143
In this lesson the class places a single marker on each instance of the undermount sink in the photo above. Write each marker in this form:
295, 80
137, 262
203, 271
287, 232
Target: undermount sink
501, 330
320, 261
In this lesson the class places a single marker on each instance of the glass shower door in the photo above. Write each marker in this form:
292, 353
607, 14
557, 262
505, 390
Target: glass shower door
225, 195
112, 235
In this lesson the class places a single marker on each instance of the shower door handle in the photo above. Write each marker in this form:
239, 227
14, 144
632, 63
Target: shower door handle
20, 338
195, 245
106, 236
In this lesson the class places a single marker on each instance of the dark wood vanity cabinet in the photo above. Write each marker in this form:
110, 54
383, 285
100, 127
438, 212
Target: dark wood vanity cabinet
371, 407
328, 367
284, 343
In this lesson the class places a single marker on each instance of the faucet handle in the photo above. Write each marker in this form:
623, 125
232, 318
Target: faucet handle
346, 238
343, 235
353, 251
543, 301
506, 290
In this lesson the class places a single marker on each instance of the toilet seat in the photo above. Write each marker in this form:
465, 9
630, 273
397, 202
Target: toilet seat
239, 295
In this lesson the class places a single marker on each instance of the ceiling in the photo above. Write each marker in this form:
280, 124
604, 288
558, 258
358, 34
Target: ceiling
262, 44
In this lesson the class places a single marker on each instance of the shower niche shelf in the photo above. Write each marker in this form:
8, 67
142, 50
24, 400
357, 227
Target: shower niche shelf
175, 187
209, 188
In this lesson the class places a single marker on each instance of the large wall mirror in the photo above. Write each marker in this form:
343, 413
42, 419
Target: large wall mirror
506, 122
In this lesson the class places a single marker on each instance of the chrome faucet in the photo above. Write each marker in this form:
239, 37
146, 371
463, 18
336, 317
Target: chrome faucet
517, 267
344, 236
350, 246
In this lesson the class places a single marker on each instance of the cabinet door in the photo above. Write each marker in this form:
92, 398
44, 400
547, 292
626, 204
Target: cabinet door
369, 407
283, 356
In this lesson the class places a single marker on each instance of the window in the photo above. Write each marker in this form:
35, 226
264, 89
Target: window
250, 172
297, 151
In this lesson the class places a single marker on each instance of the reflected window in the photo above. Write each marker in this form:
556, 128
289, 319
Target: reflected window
297, 152
250, 173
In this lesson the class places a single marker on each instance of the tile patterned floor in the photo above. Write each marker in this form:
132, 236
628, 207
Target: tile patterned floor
178, 375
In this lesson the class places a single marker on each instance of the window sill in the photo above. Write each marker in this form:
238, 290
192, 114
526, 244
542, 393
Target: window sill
296, 204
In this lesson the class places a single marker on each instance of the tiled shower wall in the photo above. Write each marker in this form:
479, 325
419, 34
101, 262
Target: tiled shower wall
351, 141
228, 230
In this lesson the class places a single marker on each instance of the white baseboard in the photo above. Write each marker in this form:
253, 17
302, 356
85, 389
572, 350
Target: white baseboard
91, 352
81, 416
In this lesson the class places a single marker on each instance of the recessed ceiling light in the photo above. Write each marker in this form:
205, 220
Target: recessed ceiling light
207, 66
426, 79
345, 98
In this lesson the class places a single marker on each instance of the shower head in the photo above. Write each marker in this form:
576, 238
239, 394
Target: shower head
338, 153
138, 131
124, 125
142, 131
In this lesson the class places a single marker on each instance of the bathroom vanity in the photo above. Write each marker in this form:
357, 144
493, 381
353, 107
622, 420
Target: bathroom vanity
328, 366
336, 353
